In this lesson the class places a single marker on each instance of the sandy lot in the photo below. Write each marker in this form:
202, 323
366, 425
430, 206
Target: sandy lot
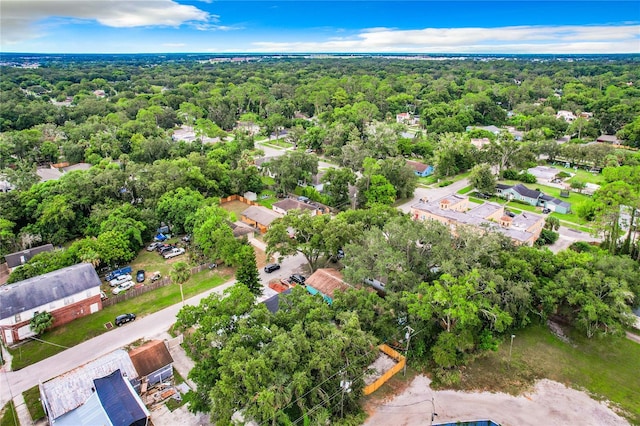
549, 403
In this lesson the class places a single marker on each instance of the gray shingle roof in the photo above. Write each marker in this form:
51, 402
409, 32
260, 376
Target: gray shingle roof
526, 192
15, 259
43, 289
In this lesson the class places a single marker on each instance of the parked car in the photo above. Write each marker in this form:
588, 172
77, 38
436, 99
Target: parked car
155, 276
173, 253
140, 276
271, 267
482, 195
509, 213
545, 211
187, 238
124, 318
119, 280
153, 246
297, 278
123, 287
166, 248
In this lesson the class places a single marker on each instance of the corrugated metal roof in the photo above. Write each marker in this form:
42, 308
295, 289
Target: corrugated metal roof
43, 289
71, 389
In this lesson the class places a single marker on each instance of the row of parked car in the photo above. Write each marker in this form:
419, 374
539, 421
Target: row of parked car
166, 250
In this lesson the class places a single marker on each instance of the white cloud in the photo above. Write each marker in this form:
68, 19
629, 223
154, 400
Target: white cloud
520, 39
22, 19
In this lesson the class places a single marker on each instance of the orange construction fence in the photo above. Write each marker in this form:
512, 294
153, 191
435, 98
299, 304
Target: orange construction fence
369, 389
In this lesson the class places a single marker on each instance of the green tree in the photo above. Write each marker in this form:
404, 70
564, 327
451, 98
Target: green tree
483, 179
247, 272
213, 236
177, 207
299, 232
40, 322
336, 186
379, 191
180, 273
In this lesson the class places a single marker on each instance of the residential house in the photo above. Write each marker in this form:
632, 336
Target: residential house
99, 93
241, 230
19, 258
153, 362
532, 197
519, 192
67, 294
403, 117
555, 204
420, 169
326, 281
611, 139
567, 116
78, 166
284, 206
493, 129
100, 392
273, 302
48, 173
249, 127
453, 211
544, 173
259, 217
480, 142
517, 134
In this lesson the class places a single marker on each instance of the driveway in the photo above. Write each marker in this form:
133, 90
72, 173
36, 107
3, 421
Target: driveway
569, 236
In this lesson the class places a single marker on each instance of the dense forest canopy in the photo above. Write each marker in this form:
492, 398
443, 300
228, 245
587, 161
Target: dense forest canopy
122, 114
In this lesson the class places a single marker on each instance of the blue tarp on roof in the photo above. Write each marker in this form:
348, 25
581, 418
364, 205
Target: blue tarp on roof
118, 400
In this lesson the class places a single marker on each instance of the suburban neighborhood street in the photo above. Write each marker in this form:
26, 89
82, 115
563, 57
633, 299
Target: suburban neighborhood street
15, 382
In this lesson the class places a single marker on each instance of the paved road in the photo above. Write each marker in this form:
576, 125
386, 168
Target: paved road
569, 236
148, 327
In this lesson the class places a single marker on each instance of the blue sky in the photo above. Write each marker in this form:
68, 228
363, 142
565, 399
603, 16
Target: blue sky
158, 26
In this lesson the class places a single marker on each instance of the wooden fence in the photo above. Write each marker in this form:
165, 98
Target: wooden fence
238, 198
135, 292
369, 389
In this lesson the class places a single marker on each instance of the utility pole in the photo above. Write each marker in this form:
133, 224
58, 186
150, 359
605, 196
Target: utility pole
510, 348
433, 411
407, 336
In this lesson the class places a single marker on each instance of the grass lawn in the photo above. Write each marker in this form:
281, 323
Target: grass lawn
582, 175
268, 180
607, 368
267, 198
32, 401
277, 143
9, 417
466, 189
90, 326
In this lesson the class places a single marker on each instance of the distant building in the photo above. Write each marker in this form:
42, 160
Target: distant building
610, 139
420, 169
567, 116
19, 258
480, 142
284, 206
493, 129
453, 211
544, 173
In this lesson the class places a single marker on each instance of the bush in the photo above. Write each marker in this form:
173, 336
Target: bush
527, 178
547, 237
510, 174
563, 175
445, 183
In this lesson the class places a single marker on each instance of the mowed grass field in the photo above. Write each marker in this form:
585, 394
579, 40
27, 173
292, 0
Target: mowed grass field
607, 368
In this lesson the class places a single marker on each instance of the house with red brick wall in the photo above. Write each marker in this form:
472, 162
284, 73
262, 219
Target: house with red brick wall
67, 294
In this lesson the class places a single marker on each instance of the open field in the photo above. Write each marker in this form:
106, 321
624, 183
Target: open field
527, 386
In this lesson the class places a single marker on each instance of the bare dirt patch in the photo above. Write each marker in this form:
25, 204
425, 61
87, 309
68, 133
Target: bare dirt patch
236, 207
549, 403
